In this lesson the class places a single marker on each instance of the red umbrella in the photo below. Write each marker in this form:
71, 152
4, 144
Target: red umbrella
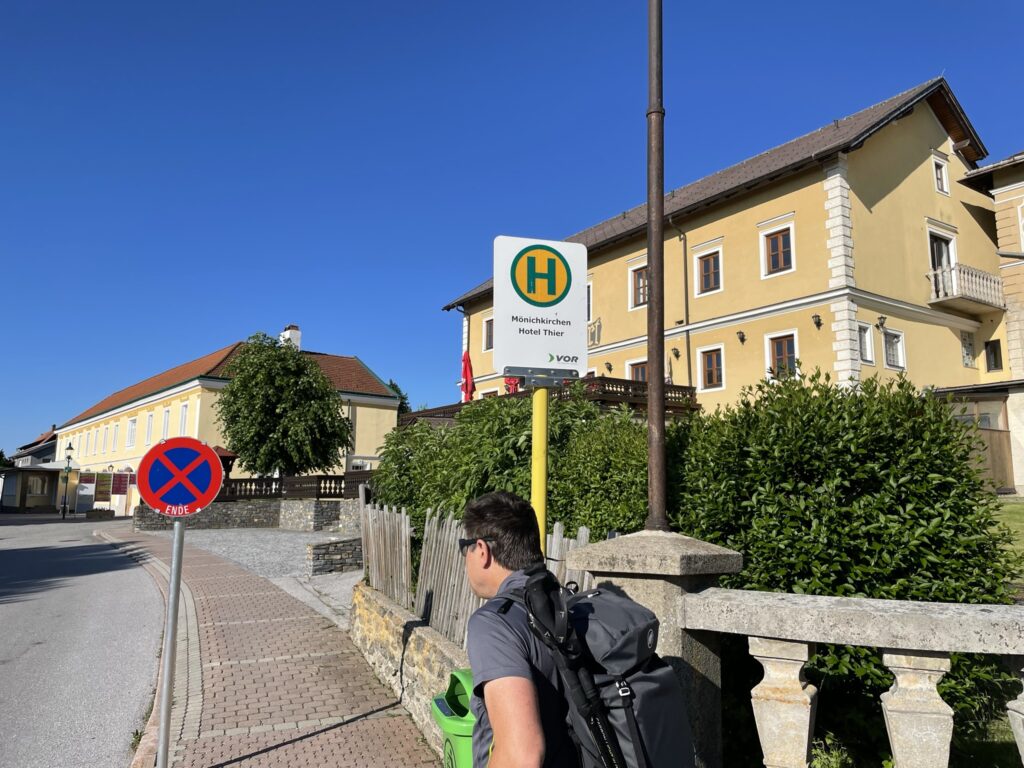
467, 386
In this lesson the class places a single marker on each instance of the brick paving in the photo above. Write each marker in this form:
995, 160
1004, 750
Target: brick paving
263, 680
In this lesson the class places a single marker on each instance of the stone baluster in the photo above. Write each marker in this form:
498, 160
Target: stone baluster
1015, 709
919, 722
784, 702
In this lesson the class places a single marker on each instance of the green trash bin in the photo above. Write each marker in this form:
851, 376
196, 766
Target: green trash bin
452, 714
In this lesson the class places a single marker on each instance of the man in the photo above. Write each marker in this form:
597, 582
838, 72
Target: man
517, 695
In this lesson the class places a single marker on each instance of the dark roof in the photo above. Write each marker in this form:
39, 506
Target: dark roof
348, 374
47, 436
981, 178
842, 135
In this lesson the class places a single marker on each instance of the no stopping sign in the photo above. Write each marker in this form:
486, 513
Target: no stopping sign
180, 476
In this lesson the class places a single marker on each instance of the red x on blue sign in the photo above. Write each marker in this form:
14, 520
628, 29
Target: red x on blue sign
180, 476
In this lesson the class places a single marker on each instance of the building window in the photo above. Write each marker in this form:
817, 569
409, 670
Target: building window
113, 445
942, 252
129, 440
167, 423
489, 393
778, 252
183, 423
149, 428
895, 355
590, 302
104, 448
967, 348
781, 354
488, 334
88, 441
638, 287
638, 371
712, 372
994, 355
867, 343
939, 168
709, 273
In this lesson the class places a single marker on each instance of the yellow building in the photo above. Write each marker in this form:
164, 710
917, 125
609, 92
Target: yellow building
853, 249
112, 436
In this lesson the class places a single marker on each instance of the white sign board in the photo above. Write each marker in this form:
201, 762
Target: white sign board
540, 304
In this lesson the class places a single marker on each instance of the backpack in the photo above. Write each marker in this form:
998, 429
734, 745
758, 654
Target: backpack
626, 706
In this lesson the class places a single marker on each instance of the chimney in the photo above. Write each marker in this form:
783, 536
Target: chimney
293, 334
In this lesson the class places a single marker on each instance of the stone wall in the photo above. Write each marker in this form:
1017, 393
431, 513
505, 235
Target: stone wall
250, 513
320, 514
410, 657
334, 556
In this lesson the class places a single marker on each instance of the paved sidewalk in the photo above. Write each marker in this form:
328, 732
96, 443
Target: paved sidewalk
264, 680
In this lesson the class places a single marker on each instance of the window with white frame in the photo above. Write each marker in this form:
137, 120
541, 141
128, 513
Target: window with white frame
104, 448
967, 348
167, 424
113, 445
709, 272
866, 342
95, 441
712, 367
488, 334
895, 354
88, 443
183, 423
781, 353
940, 171
149, 428
638, 287
129, 440
942, 259
777, 247
637, 370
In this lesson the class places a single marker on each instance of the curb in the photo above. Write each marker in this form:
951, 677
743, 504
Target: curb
187, 667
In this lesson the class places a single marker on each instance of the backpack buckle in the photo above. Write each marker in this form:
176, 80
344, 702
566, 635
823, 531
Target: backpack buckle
624, 690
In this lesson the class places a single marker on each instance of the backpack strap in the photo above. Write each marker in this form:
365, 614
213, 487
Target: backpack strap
626, 695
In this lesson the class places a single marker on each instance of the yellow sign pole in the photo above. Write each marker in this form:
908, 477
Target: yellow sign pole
539, 467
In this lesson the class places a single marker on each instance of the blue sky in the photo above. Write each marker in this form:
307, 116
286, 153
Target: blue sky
177, 176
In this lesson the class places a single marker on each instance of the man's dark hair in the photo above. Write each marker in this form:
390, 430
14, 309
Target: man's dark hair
509, 525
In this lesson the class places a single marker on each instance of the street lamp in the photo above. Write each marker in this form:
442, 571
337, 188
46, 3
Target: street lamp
67, 479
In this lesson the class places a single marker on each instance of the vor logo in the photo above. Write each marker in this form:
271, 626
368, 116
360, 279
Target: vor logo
541, 275
563, 358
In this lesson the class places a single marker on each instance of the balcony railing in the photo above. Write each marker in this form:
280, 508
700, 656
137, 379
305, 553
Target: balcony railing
964, 285
602, 390
304, 487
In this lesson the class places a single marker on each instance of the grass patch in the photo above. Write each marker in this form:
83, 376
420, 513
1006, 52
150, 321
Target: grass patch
1012, 515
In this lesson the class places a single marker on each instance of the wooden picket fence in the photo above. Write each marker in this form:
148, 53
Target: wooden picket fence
443, 596
387, 552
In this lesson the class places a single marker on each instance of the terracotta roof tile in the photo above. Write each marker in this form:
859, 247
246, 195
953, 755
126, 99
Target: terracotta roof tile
47, 435
348, 374
837, 136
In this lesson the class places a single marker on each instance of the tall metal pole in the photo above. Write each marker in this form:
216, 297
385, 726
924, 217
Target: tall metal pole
657, 518
539, 464
170, 646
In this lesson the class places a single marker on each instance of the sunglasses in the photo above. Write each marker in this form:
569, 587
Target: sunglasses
465, 544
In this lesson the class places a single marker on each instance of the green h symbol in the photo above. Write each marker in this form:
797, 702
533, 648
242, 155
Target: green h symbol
532, 275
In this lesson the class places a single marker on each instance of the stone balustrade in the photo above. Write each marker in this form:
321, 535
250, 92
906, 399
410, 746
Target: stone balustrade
675, 577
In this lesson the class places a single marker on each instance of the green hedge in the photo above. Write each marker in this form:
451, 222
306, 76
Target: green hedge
868, 491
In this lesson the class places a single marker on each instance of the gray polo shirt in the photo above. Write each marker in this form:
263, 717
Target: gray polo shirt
501, 644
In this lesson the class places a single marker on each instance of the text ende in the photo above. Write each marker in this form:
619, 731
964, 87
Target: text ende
540, 332
177, 510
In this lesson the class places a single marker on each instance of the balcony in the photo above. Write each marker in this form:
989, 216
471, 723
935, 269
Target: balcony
965, 289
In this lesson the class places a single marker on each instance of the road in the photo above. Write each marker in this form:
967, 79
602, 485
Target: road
80, 630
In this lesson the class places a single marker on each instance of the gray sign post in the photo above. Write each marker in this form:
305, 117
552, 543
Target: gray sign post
177, 478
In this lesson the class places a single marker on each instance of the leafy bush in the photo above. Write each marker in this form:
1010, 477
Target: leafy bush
870, 491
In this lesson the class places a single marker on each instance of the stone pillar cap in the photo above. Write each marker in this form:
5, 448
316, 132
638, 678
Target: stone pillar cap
655, 553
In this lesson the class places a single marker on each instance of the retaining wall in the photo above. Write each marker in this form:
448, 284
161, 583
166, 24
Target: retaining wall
410, 657
318, 514
250, 513
334, 556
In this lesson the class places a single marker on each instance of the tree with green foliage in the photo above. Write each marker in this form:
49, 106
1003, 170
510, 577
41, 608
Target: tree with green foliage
867, 491
403, 398
4, 461
279, 412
